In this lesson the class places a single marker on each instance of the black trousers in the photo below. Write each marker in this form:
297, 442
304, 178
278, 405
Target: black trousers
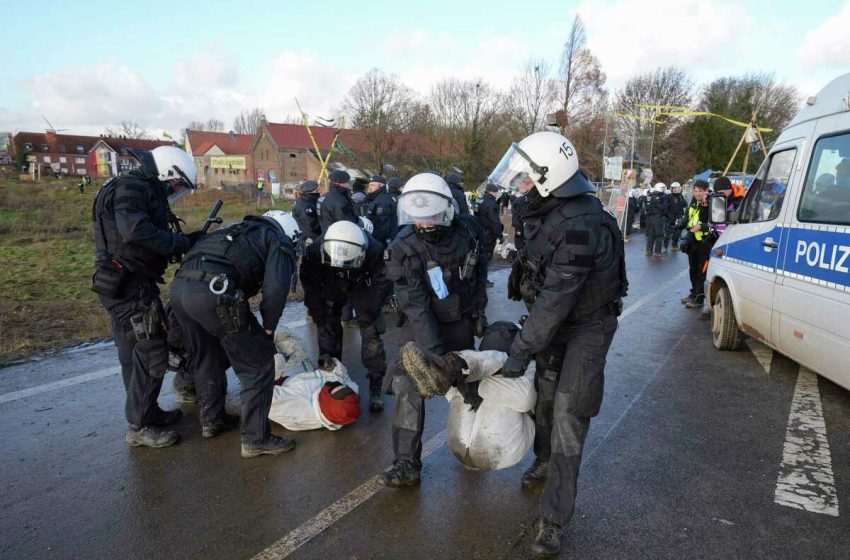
250, 351
654, 233
698, 254
409, 418
671, 233
139, 360
329, 333
570, 380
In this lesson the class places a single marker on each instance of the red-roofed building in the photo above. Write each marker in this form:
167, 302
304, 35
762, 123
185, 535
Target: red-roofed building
221, 157
70, 154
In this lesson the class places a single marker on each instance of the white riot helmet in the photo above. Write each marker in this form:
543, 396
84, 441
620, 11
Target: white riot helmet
286, 222
659, 188
173, 163
344, 245
426, 201
366, 224
675, 185
549, 160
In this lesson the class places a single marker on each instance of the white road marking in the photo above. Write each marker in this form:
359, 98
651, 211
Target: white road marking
805, 477
648, 297
762, 352
305, 532
61, 384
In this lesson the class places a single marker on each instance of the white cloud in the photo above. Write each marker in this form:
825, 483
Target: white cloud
634, 36
828, 46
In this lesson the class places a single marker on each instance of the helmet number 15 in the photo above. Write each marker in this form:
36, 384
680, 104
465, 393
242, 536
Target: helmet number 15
566, 150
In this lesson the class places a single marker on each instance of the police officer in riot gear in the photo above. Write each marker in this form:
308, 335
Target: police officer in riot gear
346, 264
210, 295
676, 205
380, 209
135, 236
487, 212
394, 186
455, 182
336, 204
572, 277
435, 265
304, 210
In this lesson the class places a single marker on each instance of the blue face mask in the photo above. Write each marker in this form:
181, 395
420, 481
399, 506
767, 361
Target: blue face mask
438, 284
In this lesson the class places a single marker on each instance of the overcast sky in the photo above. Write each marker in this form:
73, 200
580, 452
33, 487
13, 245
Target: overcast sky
88, 65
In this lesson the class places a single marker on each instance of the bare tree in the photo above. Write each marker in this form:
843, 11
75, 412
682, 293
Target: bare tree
380, 106
249, 122
127, 129
645, 97
581, 76
531, 97
214, 125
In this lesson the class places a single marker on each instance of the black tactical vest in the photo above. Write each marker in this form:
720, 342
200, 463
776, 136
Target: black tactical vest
450, 256
228, 250
607, 282
108, 241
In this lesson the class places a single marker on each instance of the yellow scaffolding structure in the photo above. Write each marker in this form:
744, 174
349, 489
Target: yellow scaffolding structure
324, 160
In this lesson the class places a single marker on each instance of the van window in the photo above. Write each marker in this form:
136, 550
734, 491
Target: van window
764, 199
826, 192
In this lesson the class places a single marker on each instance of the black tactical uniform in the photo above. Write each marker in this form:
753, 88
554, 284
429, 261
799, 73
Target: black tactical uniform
381, 210
220, 330
305, 212
572, 277
656, 214
335, 206
488, 214
327, 289
454, 180
519, 207
436, 325
135, 234
675, 213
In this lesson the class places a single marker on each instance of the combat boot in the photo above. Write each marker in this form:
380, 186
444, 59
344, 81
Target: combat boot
404, 472
687, 299
376, 400
167, 417
225, 423
433, 374
151, 436
535, 475
548, 541
272, 446
696, 301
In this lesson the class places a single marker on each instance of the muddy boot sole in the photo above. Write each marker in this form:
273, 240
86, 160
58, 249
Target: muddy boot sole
419, 370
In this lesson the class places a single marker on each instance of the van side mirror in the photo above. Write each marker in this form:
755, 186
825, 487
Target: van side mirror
717, 209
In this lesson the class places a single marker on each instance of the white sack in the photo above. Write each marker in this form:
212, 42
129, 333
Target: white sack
500, 433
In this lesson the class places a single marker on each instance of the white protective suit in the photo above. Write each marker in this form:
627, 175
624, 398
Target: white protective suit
295, 403
500, 432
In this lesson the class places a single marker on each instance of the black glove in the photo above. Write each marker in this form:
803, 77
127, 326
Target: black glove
326, 362
514, 280
480, 325
195, 236
501, 238
510, 373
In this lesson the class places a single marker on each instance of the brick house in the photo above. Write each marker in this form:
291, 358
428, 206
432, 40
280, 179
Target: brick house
70, 154
221, 157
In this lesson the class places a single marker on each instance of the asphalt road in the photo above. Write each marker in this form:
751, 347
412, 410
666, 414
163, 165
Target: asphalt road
682, 462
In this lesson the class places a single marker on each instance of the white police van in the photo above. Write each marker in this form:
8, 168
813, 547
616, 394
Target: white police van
780, 273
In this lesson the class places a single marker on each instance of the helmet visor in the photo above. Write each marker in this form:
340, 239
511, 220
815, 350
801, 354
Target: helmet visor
342, 254
176, 191
423, 208
511, 169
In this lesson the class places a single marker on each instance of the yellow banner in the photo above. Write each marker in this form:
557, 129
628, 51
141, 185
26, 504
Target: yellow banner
228, 162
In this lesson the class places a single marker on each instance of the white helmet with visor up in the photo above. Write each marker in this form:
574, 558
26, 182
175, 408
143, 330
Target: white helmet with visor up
286, 221
426, 201
173, 163
545, 160
344, 245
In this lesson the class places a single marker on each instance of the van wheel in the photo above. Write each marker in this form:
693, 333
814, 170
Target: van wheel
724, 327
